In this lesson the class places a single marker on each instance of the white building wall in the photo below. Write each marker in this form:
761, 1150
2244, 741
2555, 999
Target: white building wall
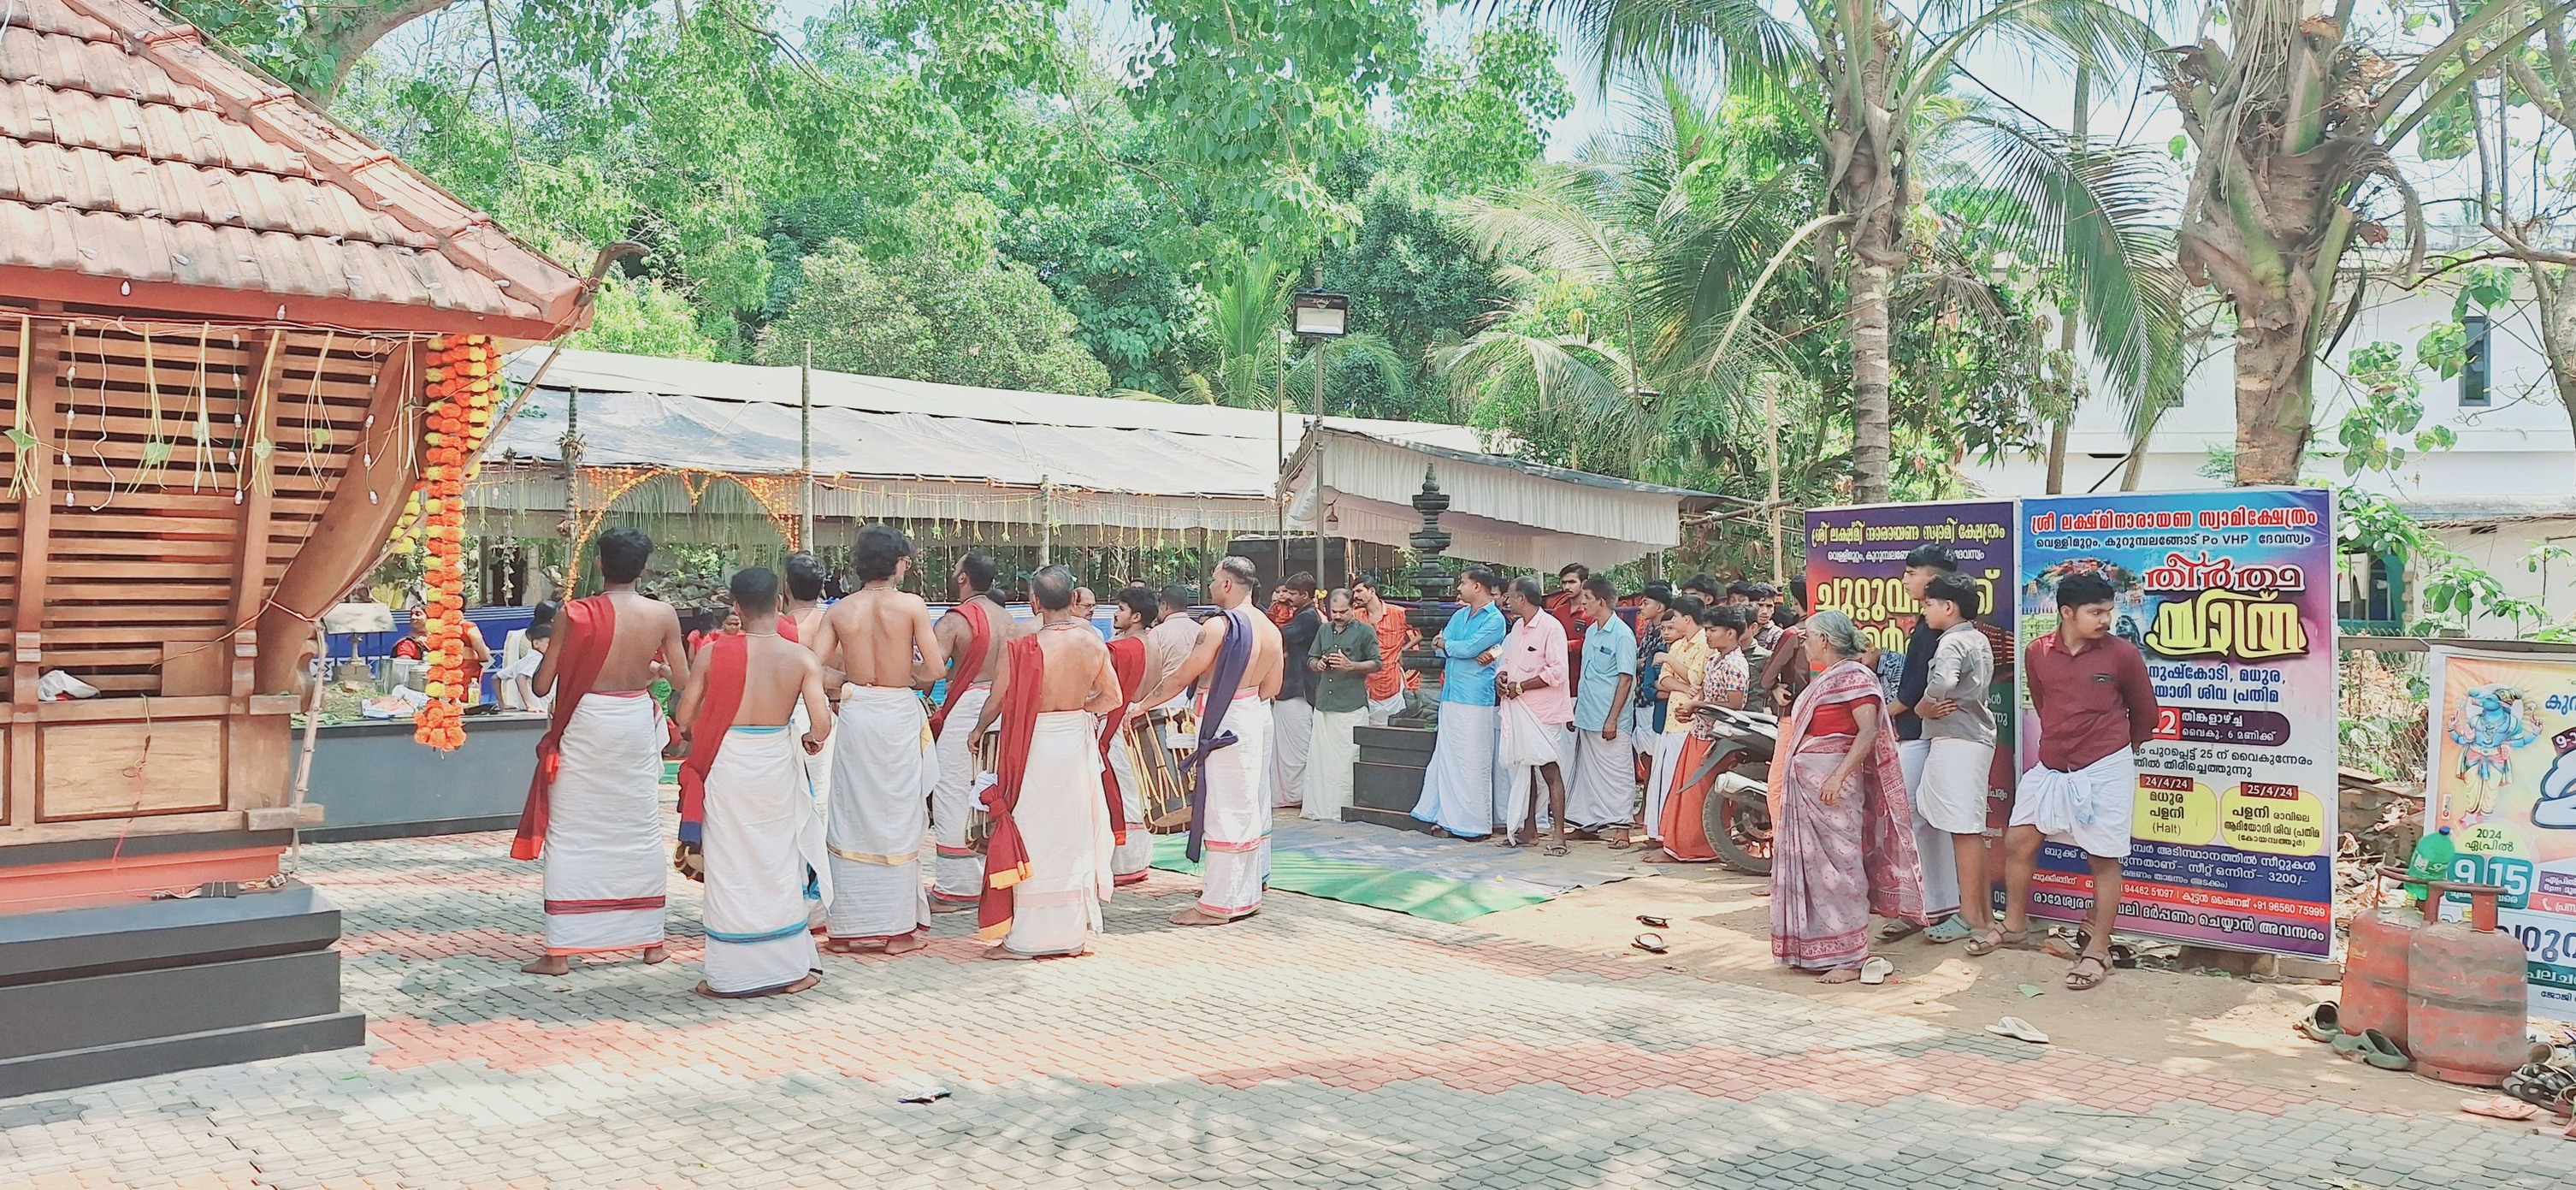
2516, 450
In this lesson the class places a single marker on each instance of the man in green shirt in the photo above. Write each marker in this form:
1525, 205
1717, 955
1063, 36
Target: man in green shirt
1342, 658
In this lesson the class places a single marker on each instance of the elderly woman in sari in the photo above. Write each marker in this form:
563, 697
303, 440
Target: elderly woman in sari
1844, 842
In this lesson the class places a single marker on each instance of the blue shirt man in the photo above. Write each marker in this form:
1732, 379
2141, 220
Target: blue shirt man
1472, 632
1609, 652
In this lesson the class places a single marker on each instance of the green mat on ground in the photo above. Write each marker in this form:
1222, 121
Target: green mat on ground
1420, 894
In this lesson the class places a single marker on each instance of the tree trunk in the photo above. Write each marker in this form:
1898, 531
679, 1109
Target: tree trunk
2557, 329
1870, 429
2273, 402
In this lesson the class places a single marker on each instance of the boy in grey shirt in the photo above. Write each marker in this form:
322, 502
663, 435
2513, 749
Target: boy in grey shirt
1960, 727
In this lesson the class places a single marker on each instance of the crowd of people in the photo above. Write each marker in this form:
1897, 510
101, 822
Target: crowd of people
814, 764
1585, 713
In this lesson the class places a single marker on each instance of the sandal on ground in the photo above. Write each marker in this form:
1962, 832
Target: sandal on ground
1875, 970
2322, 1022
1993, 940
1899, 928
2347, 1045
2019, 1030
2498, 1107
1660, 923
2378, 1050
1651, 943
2057, 947
1948, 930
1553, 850
2078, 981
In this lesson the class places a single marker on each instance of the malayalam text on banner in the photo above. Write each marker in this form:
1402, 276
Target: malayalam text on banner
2229, 595
2503, 778
1856, 566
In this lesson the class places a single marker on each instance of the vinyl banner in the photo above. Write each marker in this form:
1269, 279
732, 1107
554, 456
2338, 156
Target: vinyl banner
2230, 596
1856, 566
2503, 778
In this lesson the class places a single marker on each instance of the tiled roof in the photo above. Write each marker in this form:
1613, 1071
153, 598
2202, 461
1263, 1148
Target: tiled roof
139, 167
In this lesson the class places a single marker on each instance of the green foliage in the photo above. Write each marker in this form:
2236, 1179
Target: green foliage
928, 318
1103, 259
2389, 407
1415, 278
1477, 121
643, 318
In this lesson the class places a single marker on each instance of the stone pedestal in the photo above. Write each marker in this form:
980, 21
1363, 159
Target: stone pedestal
1388, 777
147, 987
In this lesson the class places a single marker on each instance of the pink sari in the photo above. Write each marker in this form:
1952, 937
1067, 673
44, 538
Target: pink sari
1833, 866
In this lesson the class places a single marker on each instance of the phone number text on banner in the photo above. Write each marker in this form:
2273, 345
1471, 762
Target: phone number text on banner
2229, 594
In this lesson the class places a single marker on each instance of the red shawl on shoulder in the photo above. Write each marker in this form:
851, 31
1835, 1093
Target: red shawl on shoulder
587, 627
1127, 659
979, 639
728, 659
1006, 857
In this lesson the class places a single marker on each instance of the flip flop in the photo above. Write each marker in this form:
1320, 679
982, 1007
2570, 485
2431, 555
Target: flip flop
1875, 971
2497, 1107
2379, 1051
1650, 942
1553, 850
2322, 1021
1660, 923
1899, 928
2019, 1030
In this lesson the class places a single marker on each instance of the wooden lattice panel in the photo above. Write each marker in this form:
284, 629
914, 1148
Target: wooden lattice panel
148, 576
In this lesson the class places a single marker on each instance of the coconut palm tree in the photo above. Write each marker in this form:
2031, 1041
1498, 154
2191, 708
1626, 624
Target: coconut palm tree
1863, 72
2293, 122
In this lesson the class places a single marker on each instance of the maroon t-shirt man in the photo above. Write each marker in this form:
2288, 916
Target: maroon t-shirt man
2091, 704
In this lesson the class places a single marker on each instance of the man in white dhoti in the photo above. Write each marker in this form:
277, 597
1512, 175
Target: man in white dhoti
1236, 666
743, 786
1459, 787
880, 639
1601, 792
2096, 704
1292, 714
971, 637
1341, 661
1046, 868
1132, 618
594, 808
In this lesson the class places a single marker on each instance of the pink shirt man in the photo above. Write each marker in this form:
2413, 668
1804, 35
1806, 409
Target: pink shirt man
1536, 649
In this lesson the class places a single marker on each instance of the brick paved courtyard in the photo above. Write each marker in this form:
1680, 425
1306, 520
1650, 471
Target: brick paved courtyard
1317, 1045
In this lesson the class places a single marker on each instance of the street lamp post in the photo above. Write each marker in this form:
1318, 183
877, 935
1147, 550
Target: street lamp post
1318, 317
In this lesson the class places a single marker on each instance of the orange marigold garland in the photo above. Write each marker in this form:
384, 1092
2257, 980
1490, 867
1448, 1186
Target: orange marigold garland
463, 382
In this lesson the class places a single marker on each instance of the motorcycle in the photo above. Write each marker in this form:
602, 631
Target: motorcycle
1737, 812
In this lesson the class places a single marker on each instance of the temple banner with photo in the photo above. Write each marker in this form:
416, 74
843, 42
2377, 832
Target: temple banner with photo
2229, 594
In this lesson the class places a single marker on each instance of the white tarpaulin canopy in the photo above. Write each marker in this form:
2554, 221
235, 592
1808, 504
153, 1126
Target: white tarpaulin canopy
904, 449
889, 448
1501, 510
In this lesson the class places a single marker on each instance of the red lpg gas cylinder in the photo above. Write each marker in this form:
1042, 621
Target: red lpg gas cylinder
2465, 999
2374, 971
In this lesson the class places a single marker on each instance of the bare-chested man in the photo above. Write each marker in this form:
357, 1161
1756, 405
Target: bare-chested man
879, 638
744, 779
595, 806
1050, 819
971, 637
1236, 670
801, 619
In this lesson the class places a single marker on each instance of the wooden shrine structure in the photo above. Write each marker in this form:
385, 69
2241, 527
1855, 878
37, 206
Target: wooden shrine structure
214, 307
